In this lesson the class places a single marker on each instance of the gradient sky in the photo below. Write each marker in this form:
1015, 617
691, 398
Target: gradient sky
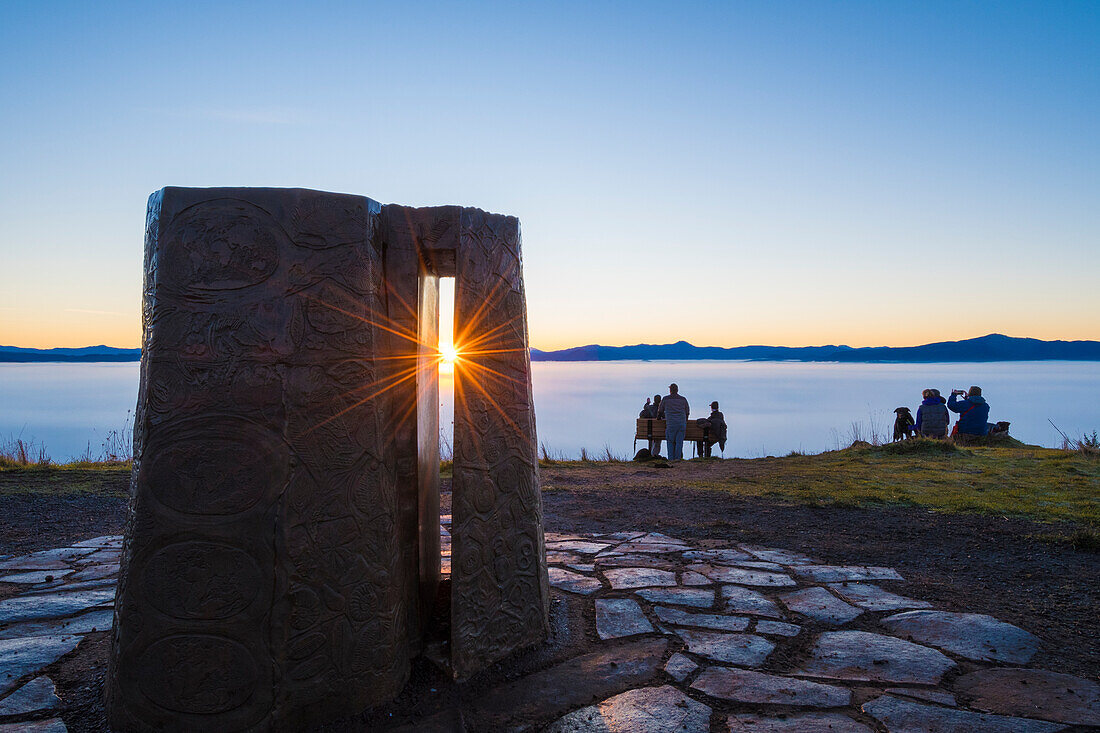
785, 173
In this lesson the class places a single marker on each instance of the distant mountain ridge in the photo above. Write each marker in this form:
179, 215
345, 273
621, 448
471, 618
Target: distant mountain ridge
994, 347
84, 353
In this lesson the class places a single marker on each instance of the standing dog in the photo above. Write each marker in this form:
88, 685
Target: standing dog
903, 424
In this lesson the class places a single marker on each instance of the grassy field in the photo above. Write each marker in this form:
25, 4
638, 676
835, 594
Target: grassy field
1037, 483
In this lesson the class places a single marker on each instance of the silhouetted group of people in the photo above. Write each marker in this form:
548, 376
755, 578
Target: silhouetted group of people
673, 408
934, 418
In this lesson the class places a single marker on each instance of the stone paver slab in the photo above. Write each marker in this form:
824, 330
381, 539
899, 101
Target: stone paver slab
722, 556
570, 581
706, 620
690, 577
860, 655
655, 548
679, 666
620, 536
841, 573
746, 650
783, 557
550, 693
757, 688
626, 578
100, 620
874, 598
66, 587
658, 538
1033, 693
20, 657
562, 558
94, 572
582, 546
37, 695
31, 577
53, 605
744, 576
647, 710
940, 697
53, 725
110, 540
695, 597
904, 716
820, 605
584, 567
777, 628
744, 600
634, 561
808, 723
971, 635
616, 617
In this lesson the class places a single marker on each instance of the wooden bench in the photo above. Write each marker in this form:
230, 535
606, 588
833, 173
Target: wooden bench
649, 429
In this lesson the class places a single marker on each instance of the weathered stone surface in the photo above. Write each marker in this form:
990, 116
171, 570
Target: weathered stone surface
37, 695
94, 572
807, 723
19, 657
970, 635
110, 540
620, 536
777, 628
679, 667
645, 548
53, 725
562, 558
33, 607
35, 576
657, 537
841, 573
820, 605
695, 597
874, 598
584, 567
52, 588
705, 620
621, 578
690, 577
746, 650
100, 620
578, 681
859, 655
904, 716
762, 565
941, 697
584, 547
1032, 693
57, 558
572, 582
783, 557
721, 556
617, 617
743, 576
634, 561
746, 686
647, 710
744, 600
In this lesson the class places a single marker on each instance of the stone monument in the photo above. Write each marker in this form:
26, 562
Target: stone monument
282, 552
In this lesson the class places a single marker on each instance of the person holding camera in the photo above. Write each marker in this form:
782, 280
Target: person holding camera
973, 411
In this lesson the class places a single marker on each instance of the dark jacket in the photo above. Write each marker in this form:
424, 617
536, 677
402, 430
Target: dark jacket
674, 409
973, 414
718, 428
648, 412
932, 418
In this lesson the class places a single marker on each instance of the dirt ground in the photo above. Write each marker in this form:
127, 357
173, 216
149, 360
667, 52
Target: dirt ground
966, 562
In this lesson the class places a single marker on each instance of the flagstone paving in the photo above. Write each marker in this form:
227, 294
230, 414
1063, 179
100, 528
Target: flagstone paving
692, 636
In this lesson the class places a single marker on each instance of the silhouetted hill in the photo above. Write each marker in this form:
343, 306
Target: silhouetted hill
84, 353
993, 347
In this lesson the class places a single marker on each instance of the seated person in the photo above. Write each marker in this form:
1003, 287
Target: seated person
650, 411
717, 425
932, 415
973, 411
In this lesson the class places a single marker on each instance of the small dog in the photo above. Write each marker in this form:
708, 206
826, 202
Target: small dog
903, 424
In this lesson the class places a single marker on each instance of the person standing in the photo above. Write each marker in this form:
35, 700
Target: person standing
674, 409
932, 417
973, 411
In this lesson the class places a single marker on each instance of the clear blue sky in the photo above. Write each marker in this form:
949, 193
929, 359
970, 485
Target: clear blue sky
728, 173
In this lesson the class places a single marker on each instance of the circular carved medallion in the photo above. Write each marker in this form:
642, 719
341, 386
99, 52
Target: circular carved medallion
198, 674
201, 580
